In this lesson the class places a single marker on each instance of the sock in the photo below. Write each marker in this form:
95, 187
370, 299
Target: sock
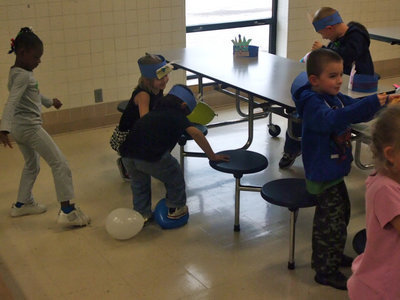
19, 204
68, 209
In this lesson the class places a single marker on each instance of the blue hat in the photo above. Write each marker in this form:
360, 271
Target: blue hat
327, 21
185, 94
155, 70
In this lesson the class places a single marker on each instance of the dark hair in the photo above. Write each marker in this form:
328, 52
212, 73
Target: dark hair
25, 39
318, 59
171, 101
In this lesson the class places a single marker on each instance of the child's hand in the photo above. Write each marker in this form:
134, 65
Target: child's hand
388, 99
57, 103
316, 45
220, 157
4, 139
394, 98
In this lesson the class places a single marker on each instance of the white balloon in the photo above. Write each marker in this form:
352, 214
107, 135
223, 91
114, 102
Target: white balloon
124, 223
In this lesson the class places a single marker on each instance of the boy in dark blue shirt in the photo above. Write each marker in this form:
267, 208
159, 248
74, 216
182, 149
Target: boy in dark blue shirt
146, 152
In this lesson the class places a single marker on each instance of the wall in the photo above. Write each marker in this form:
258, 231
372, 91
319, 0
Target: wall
88, 45
95, 44
371, 13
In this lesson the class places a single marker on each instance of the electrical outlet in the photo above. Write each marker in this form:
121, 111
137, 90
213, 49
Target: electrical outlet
98, 95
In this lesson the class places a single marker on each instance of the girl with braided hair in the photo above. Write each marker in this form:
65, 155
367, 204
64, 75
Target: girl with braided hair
22, 118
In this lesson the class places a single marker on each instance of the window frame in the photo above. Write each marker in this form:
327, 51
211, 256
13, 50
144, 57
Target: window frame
229, 25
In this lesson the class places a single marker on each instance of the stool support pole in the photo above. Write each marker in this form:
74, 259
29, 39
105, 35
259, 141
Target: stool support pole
236, 227
293, 217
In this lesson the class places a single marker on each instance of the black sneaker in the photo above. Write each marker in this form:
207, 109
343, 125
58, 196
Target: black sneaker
287, 160
346, 261
336, 280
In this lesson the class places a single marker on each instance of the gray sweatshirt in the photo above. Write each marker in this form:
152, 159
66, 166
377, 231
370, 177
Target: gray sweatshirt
24, 102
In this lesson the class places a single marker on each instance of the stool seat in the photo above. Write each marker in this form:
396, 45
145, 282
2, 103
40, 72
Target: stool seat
241, 162
122, 106
288, 192
359, 241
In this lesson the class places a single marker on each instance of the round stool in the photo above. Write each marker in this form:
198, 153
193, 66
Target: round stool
122, 105
182, 142
290, 193
359, 241
241, 162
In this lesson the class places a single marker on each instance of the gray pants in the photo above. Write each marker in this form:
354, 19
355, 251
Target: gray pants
34, 141
167, 170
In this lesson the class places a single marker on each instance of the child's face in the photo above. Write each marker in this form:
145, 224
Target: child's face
330, 80
328, 33
30, 58
160, 84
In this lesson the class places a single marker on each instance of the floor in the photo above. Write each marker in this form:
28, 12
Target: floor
205, 259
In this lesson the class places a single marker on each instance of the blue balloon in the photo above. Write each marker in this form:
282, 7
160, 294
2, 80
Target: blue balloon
161, 213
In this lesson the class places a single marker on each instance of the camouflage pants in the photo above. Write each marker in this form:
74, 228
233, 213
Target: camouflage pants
332, 215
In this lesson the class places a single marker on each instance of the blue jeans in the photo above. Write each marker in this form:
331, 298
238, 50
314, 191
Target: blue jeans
167, 170
293, 146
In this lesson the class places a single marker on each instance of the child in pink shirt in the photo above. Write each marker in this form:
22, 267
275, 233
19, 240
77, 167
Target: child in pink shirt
376, 272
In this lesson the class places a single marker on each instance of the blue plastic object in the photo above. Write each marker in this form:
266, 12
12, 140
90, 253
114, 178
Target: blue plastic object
160, 214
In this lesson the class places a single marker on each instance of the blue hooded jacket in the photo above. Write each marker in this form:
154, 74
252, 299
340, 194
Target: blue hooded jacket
326, 119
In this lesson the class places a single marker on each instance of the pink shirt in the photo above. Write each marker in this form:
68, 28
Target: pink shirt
376, 272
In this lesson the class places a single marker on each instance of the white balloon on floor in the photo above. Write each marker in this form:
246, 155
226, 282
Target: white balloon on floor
124, 223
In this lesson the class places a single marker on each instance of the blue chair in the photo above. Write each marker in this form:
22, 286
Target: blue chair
241, 162
290, 193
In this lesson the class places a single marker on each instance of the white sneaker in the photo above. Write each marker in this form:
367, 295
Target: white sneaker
33, 208
74, 218
177, 212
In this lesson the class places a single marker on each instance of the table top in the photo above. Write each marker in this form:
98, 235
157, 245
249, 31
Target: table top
267, 76
389, 34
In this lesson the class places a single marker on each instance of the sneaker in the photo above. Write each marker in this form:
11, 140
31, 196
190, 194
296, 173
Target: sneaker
336, 280
75, 218
27, 209
122, 170
346, 261
176, 213
287, 160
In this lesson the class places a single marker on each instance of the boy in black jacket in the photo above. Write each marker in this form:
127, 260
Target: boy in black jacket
146, 152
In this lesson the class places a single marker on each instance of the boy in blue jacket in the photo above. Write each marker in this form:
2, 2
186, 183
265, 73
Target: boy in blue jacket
327, 114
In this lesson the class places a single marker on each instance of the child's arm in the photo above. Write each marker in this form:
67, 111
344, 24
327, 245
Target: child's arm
142, 100
201, 140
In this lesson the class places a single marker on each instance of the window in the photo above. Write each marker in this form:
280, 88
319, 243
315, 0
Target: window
217, 22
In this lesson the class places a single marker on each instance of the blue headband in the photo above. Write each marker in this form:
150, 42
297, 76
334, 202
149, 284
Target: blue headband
327, 21
185, 95
155, 70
